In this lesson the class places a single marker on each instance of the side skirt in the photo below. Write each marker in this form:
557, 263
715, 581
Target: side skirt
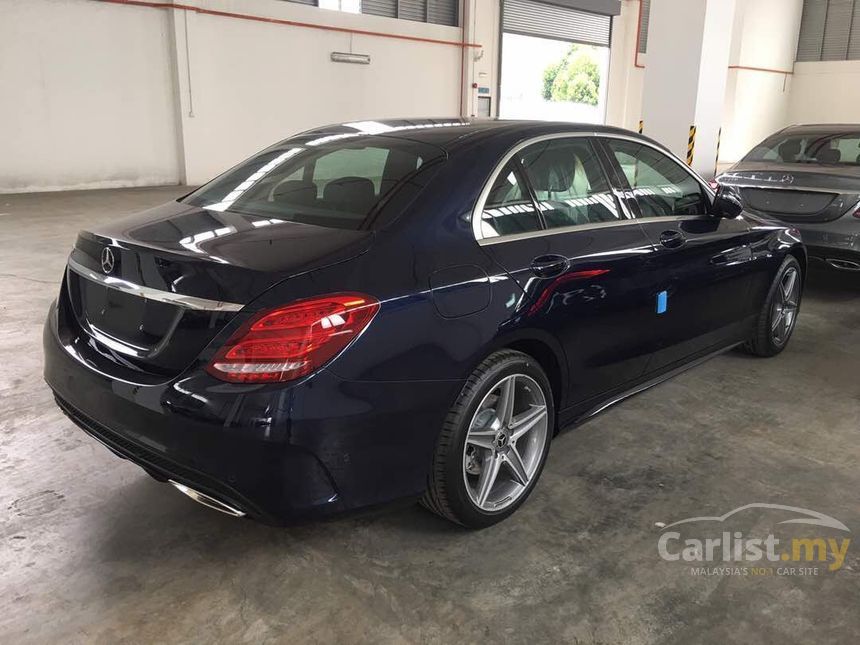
571, 417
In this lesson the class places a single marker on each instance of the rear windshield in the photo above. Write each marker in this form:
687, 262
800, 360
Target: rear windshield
819, 148
336, 184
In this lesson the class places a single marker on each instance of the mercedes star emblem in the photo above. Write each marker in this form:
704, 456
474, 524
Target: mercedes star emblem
107, 260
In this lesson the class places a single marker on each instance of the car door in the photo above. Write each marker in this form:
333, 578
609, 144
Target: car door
552, 221
701, 269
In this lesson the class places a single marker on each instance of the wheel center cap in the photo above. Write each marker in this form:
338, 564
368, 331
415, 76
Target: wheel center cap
501, 440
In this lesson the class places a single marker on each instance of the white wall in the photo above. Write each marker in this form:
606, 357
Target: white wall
481, 66
86, 97
624, 96
255, 83
686, 75
826, 92
97, 95
756, 101
712, 81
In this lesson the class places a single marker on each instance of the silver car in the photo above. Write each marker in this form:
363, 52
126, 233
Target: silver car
808, 176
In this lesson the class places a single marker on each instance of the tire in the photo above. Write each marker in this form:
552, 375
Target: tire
766, 341
462, 470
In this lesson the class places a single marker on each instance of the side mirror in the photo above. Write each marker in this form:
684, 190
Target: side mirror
726, 204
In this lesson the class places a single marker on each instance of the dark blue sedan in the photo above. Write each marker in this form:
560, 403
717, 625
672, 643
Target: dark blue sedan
386, 310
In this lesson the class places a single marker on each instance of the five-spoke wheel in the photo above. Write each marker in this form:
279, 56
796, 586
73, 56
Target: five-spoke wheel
785, 306
778, 316
494, 442
505, 442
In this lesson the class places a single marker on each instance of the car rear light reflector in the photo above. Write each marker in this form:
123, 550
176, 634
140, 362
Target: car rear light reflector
293, 341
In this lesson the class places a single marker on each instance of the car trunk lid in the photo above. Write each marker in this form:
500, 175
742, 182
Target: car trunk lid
795, 194
153, 290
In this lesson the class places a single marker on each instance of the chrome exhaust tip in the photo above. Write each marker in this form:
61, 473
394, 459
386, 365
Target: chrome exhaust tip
844, 265
206, 500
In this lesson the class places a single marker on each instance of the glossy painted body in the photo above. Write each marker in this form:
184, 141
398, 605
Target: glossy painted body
361, 431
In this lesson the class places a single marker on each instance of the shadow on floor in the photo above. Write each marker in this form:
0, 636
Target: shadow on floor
145, 519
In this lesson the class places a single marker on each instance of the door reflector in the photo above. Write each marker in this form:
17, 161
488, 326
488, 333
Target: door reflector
662, 302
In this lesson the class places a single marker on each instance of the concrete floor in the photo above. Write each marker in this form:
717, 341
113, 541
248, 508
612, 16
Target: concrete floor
93, 550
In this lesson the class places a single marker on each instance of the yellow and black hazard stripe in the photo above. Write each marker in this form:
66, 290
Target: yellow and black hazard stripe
717, 160
691, 145
641, 125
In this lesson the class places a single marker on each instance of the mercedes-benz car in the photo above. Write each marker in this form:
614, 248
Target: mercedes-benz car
807, 176
391, 310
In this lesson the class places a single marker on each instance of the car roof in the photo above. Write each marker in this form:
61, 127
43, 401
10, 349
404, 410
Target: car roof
448, 133
820, 128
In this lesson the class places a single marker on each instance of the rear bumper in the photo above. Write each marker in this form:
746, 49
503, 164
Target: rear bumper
836, 257
158, 466
835, 240
275, 453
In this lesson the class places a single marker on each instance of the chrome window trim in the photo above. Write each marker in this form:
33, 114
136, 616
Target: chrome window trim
488, 185
487, 241
485, 191
178, 299
670, 218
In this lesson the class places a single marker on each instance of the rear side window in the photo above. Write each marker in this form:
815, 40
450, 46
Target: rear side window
509, 208
820, 148
336, 185
569, 183
662, 187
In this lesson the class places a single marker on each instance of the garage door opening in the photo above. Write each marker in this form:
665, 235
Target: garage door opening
555, 63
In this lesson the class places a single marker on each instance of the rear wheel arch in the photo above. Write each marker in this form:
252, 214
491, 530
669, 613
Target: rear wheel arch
799, 252
543, 348
549, 361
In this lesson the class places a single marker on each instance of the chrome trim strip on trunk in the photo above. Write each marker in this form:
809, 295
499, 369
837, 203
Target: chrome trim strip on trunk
789, 187
178, 299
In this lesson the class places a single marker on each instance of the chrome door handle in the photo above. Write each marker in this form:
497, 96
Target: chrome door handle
672, 239
549, 266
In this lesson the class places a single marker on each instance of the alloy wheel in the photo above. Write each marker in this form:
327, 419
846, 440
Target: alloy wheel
505, 442
785, 305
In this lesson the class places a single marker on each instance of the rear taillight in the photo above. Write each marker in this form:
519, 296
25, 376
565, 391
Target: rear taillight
292, 341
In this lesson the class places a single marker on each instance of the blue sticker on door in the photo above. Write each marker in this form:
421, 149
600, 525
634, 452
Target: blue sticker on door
662, 302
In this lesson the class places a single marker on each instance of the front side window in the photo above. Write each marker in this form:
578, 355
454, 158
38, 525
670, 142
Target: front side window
509, 208
819, 148
336, 185
662, 187
569, 183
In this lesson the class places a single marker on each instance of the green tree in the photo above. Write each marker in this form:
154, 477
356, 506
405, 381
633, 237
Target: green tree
549, 75
575, 78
